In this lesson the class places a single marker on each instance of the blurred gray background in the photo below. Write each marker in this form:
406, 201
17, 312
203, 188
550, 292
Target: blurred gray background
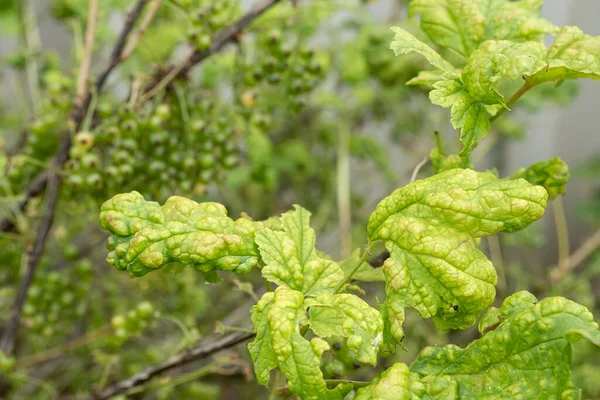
572, 133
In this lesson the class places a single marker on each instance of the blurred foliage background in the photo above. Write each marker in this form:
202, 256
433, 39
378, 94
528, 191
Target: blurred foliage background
308, 106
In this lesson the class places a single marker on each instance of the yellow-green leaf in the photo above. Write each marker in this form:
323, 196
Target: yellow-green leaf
290, 257
431, 228
147, 236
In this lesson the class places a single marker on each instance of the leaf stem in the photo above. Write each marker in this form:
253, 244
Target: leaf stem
562, 233
418, 167
54, 352
586, 249
515, 97
86, 62
348, 277
356, 384
31, 39
496, 255
343, 191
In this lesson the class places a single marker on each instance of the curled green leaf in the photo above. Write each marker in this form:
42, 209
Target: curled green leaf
346, 315
399, 383
462, 25
277, 319
552, 174
431, 228
146, 236
291, 259
527, 356
404, 42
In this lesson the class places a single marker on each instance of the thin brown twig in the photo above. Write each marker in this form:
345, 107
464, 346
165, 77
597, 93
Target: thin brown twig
134, 41
9, 338
222, 38
88, 47
582, 253
37, 186
54, 352
50, 180
202, 350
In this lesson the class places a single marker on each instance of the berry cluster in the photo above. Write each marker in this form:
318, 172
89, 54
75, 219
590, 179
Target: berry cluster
208, 18
54, 302
133, 322
295, 69
154, 151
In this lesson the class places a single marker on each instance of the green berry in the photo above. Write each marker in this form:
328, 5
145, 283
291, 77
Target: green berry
163, 111
206, 160
145, 310
90, 161
84, 140
94, 180
75, 181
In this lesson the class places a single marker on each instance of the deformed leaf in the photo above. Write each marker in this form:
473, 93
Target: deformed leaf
517, 21
552, 174
399, 383
572, 55
277, 319
527, 356
467, 114
347, 316
497, 59
454, 24
431, 227
404, 42
290, 257
462, 25
147, 236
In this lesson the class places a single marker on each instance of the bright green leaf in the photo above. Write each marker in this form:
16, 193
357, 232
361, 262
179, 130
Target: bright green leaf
572, 55
552, 174
348, 316
366, 273
454, 24
277, 319
527, 356
399, 383
147, 236
497, 59
291, 259
404, 42
467, 114
430, 228
462, 25
489, 319
517, 21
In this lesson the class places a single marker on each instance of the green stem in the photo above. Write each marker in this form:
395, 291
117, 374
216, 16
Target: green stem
518, 94
343, 192
348, 277
497, 260
192, 376
277, 381
229, 328
32, 44
356, 384
438, 143
36, 382
562, 233
54, 352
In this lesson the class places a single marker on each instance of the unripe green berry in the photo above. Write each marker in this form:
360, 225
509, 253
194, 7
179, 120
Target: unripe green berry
84, 140
145, 310
163, 111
